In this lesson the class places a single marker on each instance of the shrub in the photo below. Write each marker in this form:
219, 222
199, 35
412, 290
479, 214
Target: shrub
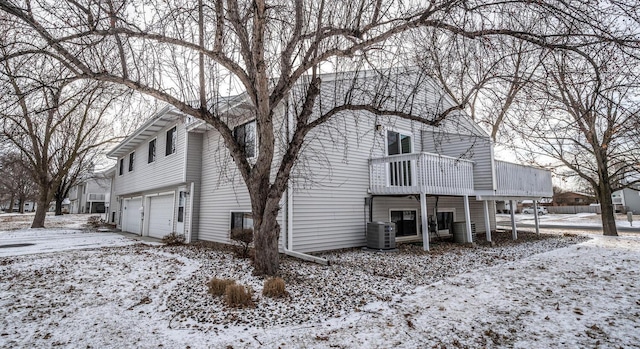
274, 288
218, 287
173, 239
244, 238
238, 296
94, 221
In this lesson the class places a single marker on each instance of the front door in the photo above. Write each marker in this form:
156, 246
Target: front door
406, 222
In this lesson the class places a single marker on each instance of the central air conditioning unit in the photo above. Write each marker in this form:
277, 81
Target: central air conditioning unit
460, 231
381, 235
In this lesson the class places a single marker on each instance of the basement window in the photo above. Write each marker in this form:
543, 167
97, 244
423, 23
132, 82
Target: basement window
242, 220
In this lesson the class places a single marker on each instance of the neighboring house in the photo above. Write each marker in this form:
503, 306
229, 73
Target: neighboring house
570, 198
174, 174
91, 194
29, 206
627, 199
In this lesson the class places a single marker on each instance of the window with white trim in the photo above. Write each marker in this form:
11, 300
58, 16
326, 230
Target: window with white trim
121, 167
172, 138
152, 151
245, 135
241, 220
132, 158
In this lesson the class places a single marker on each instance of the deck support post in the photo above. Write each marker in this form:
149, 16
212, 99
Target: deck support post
425, 222
487, 223
512, 209
535, 216
467, 218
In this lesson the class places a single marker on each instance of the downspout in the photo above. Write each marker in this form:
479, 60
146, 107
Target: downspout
288, 248
189, 238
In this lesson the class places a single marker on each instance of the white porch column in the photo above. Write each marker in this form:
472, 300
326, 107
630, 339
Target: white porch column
487, 223
425, 223
512, 209
535, 216
467, 218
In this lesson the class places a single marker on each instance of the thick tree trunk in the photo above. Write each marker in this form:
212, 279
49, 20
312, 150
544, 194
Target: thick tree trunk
21, 204
267, 257
41, 210
608, 213
59, 206
12, 202
266, 233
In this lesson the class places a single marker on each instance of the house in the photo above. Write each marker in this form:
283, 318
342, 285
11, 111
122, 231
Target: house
174, 174
91, 194
627, 199
569, 198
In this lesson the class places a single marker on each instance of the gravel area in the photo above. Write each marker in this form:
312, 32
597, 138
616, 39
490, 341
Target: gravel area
354, 278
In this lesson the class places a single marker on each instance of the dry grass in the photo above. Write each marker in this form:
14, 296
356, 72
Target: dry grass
274, 288
238, 296
218, 287
173, 239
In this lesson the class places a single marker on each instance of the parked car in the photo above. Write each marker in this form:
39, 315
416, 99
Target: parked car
529, 210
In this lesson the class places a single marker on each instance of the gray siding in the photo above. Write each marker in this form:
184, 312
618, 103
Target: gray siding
470, 147
632, 200
222, 191
332, 180
164, 171
193, 173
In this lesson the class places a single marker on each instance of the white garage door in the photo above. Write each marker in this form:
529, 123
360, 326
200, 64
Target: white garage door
131, 215
160, 215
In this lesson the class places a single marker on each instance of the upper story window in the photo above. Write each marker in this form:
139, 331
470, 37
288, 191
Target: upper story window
152, 151
172, 137
121, 167
245, 135
398, 143
132, 158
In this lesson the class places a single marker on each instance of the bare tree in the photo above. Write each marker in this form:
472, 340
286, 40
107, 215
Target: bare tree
16, 181
188, 53
53, 121
583, 115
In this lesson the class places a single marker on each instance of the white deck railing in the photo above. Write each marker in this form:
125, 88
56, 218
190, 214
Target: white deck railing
420, 172
520, 180
96, 197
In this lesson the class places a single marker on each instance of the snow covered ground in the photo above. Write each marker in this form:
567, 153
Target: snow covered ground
549, 291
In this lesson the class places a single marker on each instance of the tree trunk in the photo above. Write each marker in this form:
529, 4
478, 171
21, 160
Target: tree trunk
59, 206
265, 234
608, 213
41, 210
21, 204
12, 202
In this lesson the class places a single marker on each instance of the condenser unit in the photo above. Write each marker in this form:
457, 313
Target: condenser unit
381, 235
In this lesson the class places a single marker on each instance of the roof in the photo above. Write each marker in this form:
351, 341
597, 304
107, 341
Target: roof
164, 117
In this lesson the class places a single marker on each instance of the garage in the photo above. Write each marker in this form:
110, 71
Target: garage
160, 215
131, 215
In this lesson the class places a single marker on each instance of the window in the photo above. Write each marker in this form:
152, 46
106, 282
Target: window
132, 158
245, 135
121, 167
398, 143
406, 222
242, 220
181, 206
152, 151
171, 141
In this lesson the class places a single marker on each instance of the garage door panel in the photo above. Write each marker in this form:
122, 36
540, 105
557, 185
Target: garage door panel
131, 221
160, 215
